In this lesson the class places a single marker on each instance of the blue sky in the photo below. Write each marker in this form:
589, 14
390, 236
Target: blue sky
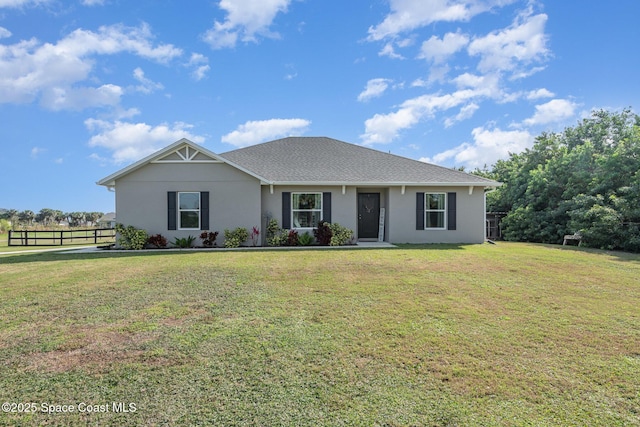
89, 86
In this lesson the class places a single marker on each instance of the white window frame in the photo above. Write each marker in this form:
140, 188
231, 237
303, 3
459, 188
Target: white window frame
179, 210
428, 210
315, 209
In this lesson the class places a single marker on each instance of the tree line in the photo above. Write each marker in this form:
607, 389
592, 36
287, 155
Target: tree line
48, 217
584, 180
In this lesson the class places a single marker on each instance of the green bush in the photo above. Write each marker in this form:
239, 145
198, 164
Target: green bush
305, 239
274, 233
234, 238
340, 235
4, 226
184, 242
130, 237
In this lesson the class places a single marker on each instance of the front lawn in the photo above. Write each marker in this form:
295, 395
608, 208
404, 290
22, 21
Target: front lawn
508, 334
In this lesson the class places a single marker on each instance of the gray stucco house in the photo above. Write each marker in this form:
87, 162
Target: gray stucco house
185, 188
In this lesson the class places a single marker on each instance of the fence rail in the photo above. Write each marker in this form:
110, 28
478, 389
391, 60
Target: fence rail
61, 237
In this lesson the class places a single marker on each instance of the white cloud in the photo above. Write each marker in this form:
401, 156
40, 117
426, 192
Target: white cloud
466, 112
128, 142
384, 128
389, 50
539, 94
30, 69
523, 43
489, 146
36, 151
78, 98
200, 65
245, 20
146, 85
408, 15
4, 33
93, 2
21, 3
374, 89
254, 132
556, 110
439, 49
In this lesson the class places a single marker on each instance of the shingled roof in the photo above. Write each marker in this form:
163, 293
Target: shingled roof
321, 160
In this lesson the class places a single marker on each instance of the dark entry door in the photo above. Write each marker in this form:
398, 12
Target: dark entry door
368, 215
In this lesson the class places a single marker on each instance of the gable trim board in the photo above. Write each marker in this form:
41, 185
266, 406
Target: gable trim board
234, 194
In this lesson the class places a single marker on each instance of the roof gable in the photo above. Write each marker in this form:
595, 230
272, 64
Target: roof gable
182, 151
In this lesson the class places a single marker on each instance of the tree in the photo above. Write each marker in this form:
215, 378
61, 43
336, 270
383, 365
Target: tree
46, 216
26, 217
585, 179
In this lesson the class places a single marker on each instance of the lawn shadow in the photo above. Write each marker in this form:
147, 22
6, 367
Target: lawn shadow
21, 258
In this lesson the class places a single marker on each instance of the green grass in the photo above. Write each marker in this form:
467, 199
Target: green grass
506, 335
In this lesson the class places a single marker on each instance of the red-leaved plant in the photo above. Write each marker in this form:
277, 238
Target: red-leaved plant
209, 238
255, 233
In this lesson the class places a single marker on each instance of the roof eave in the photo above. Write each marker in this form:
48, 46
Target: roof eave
388, 184
110, 181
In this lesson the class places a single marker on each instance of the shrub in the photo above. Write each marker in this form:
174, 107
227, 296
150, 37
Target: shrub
157, 240
273, 233
4, 226
131, 237
340, 235
234, 238
209, 238
184, 242
323, 233
305, 239
291, 238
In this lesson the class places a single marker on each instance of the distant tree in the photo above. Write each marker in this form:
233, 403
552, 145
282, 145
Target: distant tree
12, 216
76, 219
93, 217
26, 217
58, 216
46, 216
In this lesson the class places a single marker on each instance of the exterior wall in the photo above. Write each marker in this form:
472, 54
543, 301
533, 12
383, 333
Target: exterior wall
343, 206
234, 196
402, 217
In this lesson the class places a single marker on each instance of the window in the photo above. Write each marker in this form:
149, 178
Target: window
306, 209
189, 211
435, 210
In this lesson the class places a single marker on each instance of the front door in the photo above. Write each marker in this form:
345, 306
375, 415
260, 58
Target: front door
368, 215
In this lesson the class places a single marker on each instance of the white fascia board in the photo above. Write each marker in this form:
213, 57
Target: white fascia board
387, 184
110, 180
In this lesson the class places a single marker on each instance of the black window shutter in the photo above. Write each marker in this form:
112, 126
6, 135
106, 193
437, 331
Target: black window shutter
326, 207
286, 210
204, 210
419, 211
451, 211
171, 210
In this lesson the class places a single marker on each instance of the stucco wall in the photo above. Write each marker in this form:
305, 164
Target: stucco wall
234, 196
343, 206
400, 217
470, 217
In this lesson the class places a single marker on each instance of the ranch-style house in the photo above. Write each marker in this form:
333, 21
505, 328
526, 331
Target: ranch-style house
185, 188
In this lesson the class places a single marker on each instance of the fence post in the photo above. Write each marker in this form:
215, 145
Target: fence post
9, 241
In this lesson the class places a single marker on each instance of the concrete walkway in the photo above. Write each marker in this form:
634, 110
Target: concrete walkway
58, 249
94, 249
